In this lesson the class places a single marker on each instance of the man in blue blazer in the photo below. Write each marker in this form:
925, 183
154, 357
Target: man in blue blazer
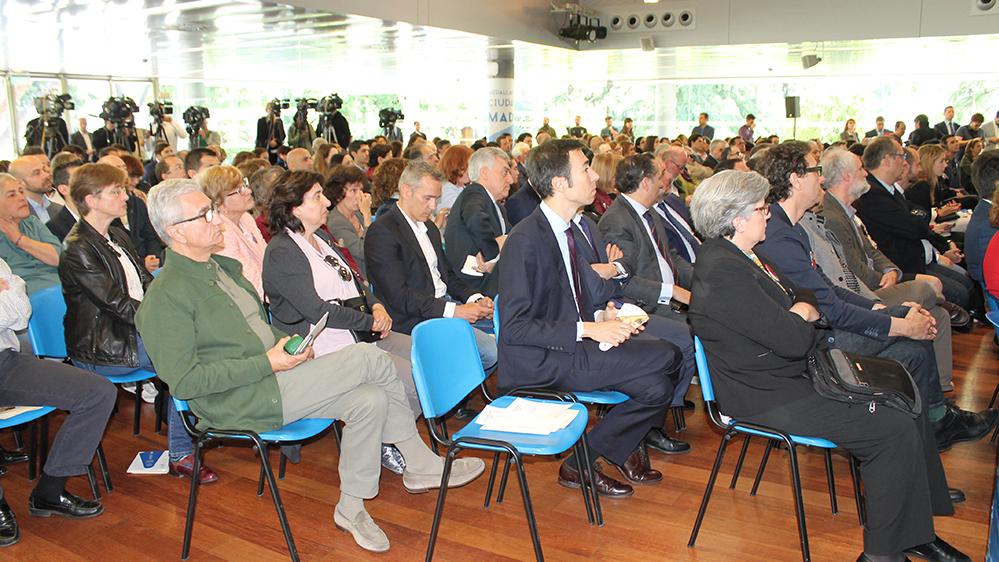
985, 175
550, 336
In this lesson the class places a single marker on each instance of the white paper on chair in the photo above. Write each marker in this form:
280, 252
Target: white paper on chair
527, 416
7, 413
150, 462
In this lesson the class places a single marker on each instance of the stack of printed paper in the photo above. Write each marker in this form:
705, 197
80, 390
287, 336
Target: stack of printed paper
527, 416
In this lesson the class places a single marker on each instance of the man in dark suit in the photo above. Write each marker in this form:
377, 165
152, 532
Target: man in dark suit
899, 233
550, 336
659, 275
703, 128
83, 139
477, 225
984, 175
407, 267
878, 130
922, 133
947, 127
160, 151
859, 324
270, 132
521, 204
61, 222
680, 227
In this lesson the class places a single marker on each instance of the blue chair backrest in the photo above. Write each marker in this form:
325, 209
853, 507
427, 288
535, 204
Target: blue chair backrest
156, 272
496, 322
703, 375
993, 317
446, 364
990, 301
180, 405
45, 328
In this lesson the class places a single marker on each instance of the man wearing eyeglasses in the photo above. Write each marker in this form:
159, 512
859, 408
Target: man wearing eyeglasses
206, 331
859, 324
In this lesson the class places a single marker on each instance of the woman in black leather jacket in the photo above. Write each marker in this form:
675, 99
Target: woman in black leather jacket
103, 282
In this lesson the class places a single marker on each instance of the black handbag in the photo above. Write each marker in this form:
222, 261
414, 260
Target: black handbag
862, 380
360, 304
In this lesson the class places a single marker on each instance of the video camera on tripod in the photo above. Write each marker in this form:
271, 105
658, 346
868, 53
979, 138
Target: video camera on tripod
49, 130
194, 118
157, 109
388, 116
329, 104
328, 108
277, 104
120, 111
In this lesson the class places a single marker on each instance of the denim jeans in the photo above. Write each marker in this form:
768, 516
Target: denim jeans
177, 440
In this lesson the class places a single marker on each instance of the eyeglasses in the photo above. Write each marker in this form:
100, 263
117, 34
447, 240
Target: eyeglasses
244, 188
764, 210
816, 169
338, 266
114, 192
208, 215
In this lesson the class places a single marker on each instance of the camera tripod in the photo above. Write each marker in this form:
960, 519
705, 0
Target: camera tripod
325, 124
52, 139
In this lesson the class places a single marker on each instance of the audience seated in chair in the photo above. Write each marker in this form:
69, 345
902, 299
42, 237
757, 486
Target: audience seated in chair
980, 232
551, 336
103, 282
28, 381
407, 266
207, 333
350, 212
29, 248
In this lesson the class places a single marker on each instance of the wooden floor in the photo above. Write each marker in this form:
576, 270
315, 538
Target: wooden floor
144, 515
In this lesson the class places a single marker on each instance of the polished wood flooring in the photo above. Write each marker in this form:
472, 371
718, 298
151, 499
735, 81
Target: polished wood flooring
144, 515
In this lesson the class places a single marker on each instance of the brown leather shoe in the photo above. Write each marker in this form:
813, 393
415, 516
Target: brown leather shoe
185, 467
606, 486
638, 470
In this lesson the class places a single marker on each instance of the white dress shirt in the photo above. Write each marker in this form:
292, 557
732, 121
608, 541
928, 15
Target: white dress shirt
498, 212
666, 292
678, 219
559, 227
430, 256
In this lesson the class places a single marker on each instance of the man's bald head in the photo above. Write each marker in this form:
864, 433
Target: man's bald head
299, 160
34, 173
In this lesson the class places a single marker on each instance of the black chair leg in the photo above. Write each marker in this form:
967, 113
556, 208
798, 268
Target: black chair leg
832, 482
32, 451
528, 509
738, 463
102, 462
265, 463
18, 441
192, 502
282, 464
492, 480
707, 490
260, 481
138, 408
502, 486
763, 466
584, 481
995, 394
92, 479
590, 476
338, 433
43, 442
857, 494
799, 504
162, 406
439, 510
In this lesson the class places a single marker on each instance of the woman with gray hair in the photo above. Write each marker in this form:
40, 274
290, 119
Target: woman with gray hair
758, 332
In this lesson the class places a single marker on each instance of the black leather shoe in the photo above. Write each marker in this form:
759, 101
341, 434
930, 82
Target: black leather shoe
959, 317
956, 496
8, 526
569, 477
69, 506
659, 441
938, 551
864, 558
12, 457
958, 425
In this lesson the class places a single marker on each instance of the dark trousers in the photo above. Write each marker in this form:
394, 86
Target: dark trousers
904, 481
917, 356
643, 368
957, 287
89, 398
676, 331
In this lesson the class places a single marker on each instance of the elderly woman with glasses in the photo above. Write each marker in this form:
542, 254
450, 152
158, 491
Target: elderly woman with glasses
758, 331
104, 282
231, 194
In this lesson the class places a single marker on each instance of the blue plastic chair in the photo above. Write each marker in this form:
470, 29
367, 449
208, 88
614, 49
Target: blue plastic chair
598, 397
733, 427
292, 433
446, 367
33, 449
48, 338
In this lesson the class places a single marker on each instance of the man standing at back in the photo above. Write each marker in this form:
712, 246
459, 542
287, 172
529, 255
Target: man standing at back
703, 128
550, 337
947, 127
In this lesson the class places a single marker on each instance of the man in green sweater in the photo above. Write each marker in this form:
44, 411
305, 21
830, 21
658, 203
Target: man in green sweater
207, 333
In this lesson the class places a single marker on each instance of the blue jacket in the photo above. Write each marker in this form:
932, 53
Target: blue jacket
977, 238
788, 249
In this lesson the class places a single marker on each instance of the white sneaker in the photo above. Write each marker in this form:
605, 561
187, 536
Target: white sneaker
463, 471
363, 528
149, 391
